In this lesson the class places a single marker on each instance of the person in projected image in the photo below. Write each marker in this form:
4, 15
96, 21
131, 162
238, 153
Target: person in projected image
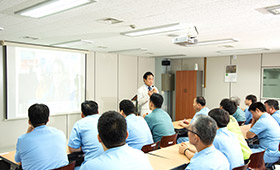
55, 84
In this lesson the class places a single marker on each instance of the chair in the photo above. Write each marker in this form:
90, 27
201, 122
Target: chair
70, 166
168, 140
150, 147
256, 161
244, 167
241, 123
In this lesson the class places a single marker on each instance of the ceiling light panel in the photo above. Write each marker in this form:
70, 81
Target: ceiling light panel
238, 51
155, 30
129, 50
51, 7
74, 43
275, 10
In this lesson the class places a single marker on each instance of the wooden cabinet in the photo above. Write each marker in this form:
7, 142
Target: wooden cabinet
188, 86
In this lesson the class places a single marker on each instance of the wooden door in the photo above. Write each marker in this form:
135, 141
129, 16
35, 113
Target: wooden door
185, 94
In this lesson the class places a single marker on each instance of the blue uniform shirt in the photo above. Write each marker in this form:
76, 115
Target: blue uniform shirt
139, 133
43, 148
268, 132
276, 116
239, 115
160, 124
203, 111
209, 159
84, 134
226, 142
122, 157
248, 116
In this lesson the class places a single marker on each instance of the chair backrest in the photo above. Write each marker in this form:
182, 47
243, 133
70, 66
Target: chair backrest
256, 161
168, 140
70, 166
241, 123
244, 167
150, 147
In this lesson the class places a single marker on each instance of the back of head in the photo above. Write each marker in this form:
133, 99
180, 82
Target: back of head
156, 99
220, 116
145, 76
257, 105
229, 106
89, 107
38, 114
236, 99
205, 127
127, 107
112, 129
272, 103
251, 97
200, 100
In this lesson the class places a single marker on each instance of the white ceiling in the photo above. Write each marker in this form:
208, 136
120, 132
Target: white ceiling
215, 19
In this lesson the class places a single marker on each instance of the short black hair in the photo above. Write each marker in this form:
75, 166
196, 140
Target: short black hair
251, 97
257, 105
156, 99
127, 107
229, 106
145, 76
38, 114
272, 103
220, 116
112, 129
205, 127
89, 107
200, 100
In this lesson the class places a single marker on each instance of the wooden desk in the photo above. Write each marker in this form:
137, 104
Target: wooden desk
10, 157
167, 158
245, 129
176, 124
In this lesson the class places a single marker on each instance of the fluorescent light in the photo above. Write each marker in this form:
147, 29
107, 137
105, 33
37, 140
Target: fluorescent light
249, 50
74, 43
275, 10
128, 50
155, 30
185, 41
171, 56
1, 29
211, 42
51, 7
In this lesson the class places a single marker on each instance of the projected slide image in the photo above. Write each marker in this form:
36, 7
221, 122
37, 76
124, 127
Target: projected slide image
55, 78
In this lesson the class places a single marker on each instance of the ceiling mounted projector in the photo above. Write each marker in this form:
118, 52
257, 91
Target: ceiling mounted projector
184, 40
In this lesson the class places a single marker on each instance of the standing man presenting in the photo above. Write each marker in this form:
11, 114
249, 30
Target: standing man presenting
144, 93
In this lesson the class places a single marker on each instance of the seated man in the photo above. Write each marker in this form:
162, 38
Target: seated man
112, 131
233, 126
248, 101
272, 107
158, 120
84, 133
239, 115
202, 132
42, 147
199, 105
225, 141
268, 132
139, 133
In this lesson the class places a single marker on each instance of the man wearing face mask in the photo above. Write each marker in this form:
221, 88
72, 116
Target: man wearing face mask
144, 93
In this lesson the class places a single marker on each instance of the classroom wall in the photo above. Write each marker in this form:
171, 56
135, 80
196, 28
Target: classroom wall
110, 78
249, 73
